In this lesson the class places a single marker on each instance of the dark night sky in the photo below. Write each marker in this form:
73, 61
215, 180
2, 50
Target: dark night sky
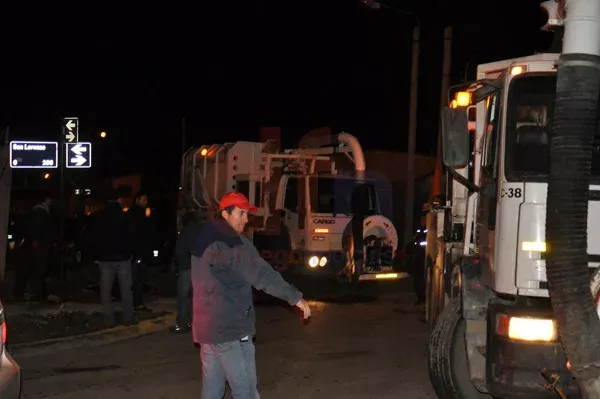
231, 67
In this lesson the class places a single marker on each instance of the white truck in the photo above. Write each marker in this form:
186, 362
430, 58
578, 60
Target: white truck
306, 206
494, 332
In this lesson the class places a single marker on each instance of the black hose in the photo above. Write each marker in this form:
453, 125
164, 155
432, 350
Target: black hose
573, 130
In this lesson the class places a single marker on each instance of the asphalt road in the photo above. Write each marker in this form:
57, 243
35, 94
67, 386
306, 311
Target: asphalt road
354, 347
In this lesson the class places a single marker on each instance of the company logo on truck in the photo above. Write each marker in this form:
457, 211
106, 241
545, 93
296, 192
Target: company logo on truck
324, 221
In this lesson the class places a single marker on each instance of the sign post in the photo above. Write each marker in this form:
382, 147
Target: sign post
69, 134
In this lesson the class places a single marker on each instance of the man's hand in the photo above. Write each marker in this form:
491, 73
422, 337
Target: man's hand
304, 307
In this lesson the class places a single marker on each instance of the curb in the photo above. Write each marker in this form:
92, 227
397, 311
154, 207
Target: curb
94, 339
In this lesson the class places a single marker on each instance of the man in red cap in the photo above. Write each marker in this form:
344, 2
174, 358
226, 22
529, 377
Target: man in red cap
225, 266
236, 218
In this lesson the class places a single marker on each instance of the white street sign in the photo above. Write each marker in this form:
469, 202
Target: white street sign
71, 129
33, 154
79, 155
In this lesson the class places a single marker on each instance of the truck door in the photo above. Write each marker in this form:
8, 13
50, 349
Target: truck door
292, 206
488, 196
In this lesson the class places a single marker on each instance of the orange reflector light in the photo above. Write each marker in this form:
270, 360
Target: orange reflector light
463, 98
517, 70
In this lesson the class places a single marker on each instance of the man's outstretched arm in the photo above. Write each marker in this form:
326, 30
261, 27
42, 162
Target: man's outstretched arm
256, 271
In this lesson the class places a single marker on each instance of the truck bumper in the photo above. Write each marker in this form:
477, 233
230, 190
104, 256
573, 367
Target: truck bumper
514, 367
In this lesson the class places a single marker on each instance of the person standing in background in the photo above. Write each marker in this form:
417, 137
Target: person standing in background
143, 245
111, 239
192, 226
39, 234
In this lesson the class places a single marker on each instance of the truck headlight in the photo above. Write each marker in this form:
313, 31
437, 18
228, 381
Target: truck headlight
313, 261
526, 328
322, 261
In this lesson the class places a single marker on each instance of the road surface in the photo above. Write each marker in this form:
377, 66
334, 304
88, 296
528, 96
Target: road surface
352, 348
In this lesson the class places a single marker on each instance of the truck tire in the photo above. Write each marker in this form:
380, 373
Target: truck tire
434, 295
447, 361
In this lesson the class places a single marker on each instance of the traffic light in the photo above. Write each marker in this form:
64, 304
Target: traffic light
556, 14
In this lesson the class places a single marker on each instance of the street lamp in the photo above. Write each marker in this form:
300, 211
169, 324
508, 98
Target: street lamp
46, 176
412, 120
103, 135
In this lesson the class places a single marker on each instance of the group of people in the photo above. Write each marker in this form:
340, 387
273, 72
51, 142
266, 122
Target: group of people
120, 242
216, 263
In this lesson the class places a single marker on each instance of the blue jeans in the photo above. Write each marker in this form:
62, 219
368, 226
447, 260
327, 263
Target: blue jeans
233, 362
184, 286
108, 271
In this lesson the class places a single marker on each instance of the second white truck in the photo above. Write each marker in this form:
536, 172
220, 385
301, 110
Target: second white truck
306, 206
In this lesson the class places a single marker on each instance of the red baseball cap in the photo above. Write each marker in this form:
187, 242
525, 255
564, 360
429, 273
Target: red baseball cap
236, 199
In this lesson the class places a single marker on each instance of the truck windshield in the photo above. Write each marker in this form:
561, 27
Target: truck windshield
529, 117
333, 195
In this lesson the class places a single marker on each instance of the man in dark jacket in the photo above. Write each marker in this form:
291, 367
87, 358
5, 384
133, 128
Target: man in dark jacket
225, 266
192, 225
111, 235
39, 234
143, 245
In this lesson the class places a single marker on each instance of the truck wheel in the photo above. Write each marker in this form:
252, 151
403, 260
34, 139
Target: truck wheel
448, 363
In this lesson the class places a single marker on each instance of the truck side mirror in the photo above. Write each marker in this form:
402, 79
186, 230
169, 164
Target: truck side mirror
455, 137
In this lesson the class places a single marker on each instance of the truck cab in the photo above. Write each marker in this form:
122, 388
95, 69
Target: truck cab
487, 293
316, 217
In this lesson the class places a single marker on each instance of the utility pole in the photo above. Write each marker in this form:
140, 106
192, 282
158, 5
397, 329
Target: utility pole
62, 207
5, 188
446, 66
412, 120
446, 69
412, 137
183, 136
437, 186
